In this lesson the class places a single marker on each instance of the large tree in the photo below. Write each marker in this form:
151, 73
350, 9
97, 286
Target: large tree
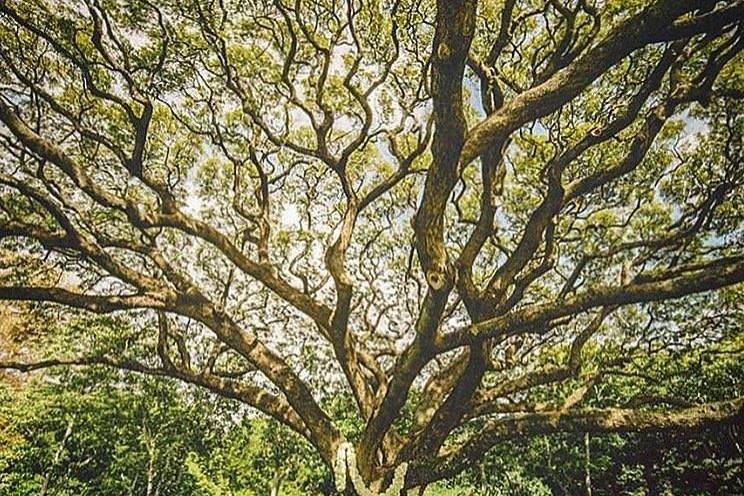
434, 207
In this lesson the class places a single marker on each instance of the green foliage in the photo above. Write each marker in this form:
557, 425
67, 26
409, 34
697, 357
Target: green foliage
701, 462
122, 424
259, 455
98, 433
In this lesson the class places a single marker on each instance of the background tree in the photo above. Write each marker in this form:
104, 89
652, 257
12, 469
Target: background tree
95, 433
292, 199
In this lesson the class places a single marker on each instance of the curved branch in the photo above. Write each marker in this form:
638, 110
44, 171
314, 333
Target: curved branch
653, 24
589, 420
657, 287
249, 394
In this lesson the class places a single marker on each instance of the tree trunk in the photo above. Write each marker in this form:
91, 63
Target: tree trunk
587, 470
276, 484
57, 455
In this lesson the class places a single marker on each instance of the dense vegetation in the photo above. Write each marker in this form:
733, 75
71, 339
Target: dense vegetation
85, 432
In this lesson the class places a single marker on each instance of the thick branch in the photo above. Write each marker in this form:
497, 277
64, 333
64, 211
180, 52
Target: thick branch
249, 394
716, 274
92, 303
455, 24
645, 27
596, 421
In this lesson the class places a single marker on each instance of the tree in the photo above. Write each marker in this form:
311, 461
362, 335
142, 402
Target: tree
98, 432
261, 457
409, 201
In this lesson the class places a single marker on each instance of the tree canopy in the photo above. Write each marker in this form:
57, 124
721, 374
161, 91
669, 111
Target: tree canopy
467, 216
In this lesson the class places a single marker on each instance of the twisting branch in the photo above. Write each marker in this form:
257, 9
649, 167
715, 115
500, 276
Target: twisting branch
594, 421
706, 277
257, 397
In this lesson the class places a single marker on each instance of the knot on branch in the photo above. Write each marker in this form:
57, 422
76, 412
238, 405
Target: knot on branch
436, 278
443, 51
